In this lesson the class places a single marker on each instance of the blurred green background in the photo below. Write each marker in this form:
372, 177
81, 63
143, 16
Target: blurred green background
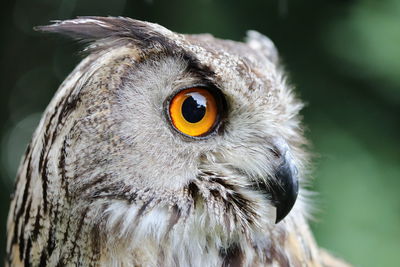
343, 57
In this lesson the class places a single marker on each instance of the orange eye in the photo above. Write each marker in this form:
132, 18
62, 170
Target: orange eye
194, 111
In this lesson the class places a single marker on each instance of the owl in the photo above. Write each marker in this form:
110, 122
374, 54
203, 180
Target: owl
165, 149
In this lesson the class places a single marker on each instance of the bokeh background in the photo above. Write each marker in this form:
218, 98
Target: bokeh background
343, 57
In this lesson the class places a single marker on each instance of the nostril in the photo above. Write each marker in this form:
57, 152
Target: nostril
275, 152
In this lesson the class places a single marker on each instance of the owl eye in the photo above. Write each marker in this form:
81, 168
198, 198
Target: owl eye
194, 111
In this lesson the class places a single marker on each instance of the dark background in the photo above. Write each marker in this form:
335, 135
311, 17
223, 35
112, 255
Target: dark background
343, 57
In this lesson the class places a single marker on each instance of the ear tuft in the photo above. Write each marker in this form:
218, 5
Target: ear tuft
89, 29
263, 44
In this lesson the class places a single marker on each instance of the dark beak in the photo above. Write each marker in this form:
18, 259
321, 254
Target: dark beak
282, 191
285, 189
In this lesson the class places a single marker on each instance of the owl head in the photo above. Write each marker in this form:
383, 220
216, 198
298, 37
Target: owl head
154, 129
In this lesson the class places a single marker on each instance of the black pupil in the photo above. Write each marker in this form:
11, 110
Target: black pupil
193, 108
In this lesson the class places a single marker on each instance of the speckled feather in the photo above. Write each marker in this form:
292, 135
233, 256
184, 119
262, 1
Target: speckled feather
106, 180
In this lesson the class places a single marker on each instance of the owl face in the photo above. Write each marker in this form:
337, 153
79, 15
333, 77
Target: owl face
172, 120
163, 149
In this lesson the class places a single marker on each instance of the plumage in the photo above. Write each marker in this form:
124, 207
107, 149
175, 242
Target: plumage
108, 180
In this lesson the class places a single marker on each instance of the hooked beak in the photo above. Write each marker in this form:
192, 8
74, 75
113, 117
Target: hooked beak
285, 187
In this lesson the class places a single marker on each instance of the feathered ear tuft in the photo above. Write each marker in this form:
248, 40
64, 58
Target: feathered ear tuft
263, 44
89, 29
